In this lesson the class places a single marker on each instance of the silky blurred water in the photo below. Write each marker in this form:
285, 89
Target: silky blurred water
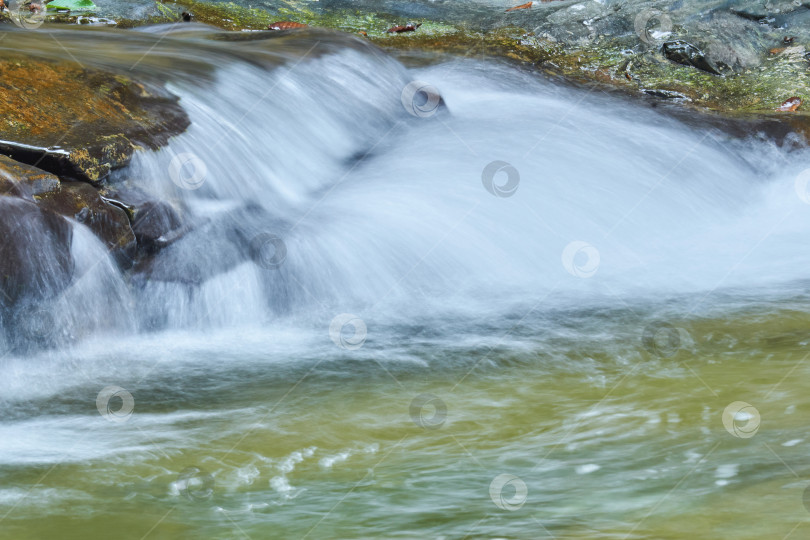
421, 328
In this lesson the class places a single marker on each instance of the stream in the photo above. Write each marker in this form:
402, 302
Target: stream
451, 299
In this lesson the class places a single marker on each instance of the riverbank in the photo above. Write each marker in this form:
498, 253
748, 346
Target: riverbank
740, 58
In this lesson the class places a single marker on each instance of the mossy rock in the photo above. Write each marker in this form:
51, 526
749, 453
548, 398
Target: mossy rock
80, 123
24, 181
588, 43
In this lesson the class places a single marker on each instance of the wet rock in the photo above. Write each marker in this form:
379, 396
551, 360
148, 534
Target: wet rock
23, 180
665, 94
687, 54
155, 223
216, 246
35, 259
82, 202
586, 42
285, 25
80, 123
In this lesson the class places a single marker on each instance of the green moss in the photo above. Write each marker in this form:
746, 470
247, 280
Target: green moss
758, 90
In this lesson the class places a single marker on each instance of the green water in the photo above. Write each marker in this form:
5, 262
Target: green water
610, 439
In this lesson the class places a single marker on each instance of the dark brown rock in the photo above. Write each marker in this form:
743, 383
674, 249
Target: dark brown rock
155, 223
23, 180
35, 258
83, 202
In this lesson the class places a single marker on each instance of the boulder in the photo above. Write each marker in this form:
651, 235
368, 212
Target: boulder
84, 203
35, 258
23, 180
80, 123
155, 223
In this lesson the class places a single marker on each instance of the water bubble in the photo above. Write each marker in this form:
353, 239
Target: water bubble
428, 411
501, 500
741, 419
105, 408
338, 330
421, 99
580, 259
508, 188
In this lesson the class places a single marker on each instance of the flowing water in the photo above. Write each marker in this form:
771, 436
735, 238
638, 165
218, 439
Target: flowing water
370, 331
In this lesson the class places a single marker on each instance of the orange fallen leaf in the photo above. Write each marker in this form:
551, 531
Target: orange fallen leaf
363, 33
285, 25
405, 28
790, 105
527, 5
777, 50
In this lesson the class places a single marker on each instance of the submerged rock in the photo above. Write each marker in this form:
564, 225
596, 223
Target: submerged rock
82, 202
80, 123
155, 223
35, 258
219, 244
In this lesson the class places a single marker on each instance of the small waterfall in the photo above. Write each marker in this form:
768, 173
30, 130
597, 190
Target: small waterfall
307, 189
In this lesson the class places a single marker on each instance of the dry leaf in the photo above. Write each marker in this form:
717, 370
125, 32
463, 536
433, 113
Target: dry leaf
527, 5
406, 28
285, 25
790, 105
777, 50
